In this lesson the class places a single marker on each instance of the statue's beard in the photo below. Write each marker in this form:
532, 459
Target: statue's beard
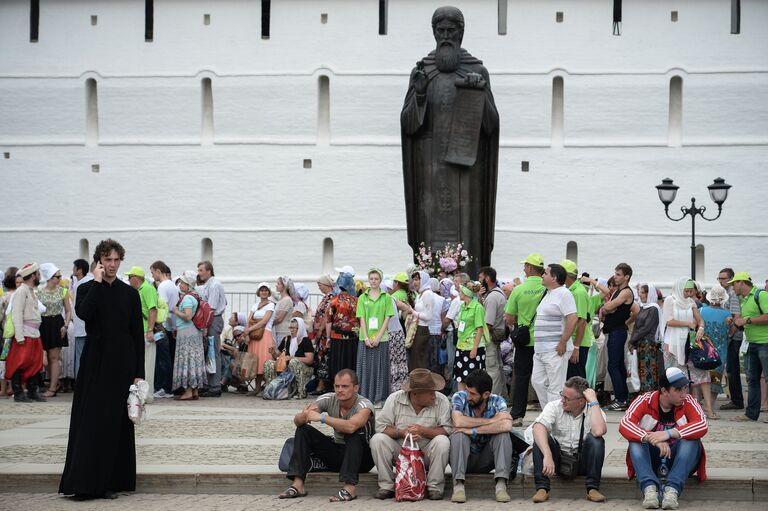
447, 57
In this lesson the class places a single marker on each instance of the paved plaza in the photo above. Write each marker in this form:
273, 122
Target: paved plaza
222, 454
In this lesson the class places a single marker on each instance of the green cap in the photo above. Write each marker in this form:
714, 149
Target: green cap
534, 259
742, 275
402, 277
569, 266
138, 271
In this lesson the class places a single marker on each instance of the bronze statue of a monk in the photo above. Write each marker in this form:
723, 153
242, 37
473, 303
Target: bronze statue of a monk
450, 136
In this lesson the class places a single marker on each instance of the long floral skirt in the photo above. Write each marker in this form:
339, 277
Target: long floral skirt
373, 371
398, 361
649, 362
321, 357
302, 371
189, 363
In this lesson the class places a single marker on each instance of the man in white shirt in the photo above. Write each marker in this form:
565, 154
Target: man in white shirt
573, 425
80, 274
555, 322
167, 290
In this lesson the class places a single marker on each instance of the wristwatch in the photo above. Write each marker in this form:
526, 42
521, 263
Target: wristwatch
748, 321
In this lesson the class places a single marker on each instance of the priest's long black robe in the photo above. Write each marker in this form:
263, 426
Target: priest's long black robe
101, 454
444, 202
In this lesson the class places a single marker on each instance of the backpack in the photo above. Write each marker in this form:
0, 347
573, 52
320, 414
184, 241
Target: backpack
757, 300
162, 311
203, 317
280, 387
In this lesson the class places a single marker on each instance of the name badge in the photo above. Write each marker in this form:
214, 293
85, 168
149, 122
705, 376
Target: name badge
462, 325
373, 323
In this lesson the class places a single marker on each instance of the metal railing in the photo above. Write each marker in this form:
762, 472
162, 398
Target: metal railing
242, 302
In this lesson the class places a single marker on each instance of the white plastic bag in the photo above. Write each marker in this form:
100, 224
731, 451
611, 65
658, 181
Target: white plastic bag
210, 362
137, 399
633, 372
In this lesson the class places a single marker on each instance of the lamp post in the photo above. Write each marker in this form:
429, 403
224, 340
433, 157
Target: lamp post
718, 192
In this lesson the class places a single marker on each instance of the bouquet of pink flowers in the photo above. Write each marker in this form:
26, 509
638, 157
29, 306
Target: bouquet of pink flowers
448, 259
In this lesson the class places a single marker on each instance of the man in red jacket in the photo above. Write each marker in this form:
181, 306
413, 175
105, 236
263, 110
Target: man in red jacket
664, 429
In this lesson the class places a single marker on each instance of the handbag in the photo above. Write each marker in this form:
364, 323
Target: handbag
703, 353
569, 462
315, 463
247, 365
282, 362
411, 325
521, 334
410, 472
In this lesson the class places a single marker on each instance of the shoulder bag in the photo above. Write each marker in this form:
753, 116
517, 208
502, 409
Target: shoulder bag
569, 463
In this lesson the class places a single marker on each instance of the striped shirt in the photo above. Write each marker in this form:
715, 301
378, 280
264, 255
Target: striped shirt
550, 319
734, 306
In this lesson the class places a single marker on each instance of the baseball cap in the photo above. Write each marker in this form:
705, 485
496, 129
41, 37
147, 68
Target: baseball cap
677, 378
742, 275
534, 259
569, 266
402, 277
346, 269
137, 271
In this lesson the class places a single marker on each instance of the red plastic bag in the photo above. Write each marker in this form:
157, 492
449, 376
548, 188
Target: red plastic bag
410, 474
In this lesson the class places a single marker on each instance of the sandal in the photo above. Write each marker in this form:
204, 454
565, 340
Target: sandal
342, 496
50, 393
291, 493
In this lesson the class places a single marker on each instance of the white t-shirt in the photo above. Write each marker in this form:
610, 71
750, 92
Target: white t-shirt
424, 305
436, 323
550, 319
453, 311
258, 314
168, 291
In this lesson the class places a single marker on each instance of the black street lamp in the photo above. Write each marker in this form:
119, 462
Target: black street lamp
718, 192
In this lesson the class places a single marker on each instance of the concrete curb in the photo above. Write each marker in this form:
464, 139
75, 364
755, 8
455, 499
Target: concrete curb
522, 487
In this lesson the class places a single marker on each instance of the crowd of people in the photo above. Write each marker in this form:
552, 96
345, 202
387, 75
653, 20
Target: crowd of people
535, 340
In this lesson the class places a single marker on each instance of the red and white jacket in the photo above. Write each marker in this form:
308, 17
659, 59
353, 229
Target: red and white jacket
643, 416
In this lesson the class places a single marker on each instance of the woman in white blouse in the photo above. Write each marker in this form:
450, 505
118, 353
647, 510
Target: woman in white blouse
423, 311
261, 316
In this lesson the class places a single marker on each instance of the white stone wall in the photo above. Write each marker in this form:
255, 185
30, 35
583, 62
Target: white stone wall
161, 191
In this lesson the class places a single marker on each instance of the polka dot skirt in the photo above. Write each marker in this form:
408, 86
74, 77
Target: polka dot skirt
463, 365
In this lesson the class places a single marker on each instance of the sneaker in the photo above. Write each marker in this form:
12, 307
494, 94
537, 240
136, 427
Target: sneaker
541, 495
731, 406
210, 393
742, 418
650, 498
160, 394
617, 406
594, 495
459, 495
670, 499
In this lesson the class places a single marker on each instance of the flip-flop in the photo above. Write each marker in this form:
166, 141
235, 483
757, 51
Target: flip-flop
291, 493
342, 496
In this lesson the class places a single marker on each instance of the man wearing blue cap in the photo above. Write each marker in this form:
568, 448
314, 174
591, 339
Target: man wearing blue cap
664, 429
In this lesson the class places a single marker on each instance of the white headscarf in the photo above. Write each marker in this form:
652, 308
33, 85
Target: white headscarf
652, 301
293, 346
678, 294
717, 295
424, 283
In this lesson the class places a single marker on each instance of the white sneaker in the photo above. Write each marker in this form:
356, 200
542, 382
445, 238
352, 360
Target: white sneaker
650, 498
670, 499
160, 394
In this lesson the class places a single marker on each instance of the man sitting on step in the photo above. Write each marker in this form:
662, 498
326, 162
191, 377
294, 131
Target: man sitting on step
664, 429
347, 451
568, 440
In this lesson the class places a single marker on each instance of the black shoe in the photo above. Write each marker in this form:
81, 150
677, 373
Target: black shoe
109, 495
34, 396
79, 497
210, 393
21, 398
731, 406
434, 495
617, 406
383, 494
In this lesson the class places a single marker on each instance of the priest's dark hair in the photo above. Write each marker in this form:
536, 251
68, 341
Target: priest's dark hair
105, 247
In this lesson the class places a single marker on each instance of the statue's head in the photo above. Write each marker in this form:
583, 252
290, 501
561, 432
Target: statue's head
448, 29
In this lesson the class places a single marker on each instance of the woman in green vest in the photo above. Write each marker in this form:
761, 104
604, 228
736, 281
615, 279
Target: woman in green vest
472, 335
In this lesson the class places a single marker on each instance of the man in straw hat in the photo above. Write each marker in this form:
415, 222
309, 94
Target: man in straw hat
422, 411
25, 357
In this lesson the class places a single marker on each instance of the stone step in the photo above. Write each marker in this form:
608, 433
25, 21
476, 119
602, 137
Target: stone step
614, 486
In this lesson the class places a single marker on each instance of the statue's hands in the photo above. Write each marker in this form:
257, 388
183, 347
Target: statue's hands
476, 81
420, 81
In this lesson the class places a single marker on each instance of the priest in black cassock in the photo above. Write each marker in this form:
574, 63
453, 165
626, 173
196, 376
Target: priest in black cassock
101, 454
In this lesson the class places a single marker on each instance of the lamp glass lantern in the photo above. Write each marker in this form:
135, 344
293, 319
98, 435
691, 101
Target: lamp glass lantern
718, 191
668, 191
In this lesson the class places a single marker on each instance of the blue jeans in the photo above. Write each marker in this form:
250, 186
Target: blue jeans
755, 363
616, 367
163, 366
79, 345
646, 460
